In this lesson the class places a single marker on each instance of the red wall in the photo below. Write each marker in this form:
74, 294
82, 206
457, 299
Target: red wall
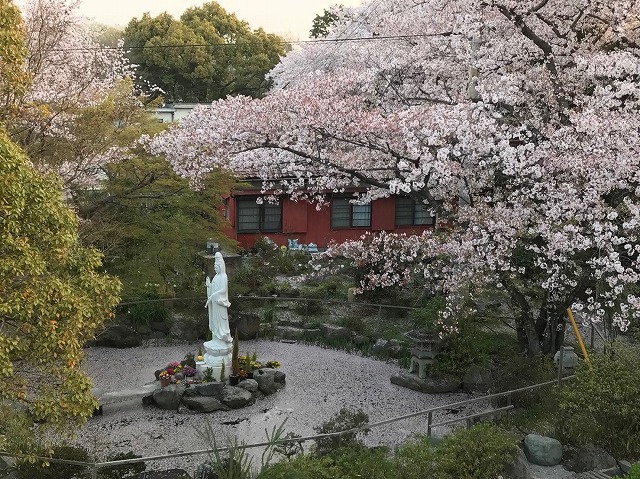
302, 221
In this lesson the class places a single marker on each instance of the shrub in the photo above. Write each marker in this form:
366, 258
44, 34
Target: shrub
481, 452
517, 371
425, 317
351, 462
599, 407
142, 314
343, 421
56, 470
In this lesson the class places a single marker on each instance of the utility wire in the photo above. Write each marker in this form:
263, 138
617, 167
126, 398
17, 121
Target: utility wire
233, 44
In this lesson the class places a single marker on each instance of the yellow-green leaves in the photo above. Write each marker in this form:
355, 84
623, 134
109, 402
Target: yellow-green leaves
52, 299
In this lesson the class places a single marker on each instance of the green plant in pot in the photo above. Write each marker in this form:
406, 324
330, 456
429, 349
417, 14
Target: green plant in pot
235, 362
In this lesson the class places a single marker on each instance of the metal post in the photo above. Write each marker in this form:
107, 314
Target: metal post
429, 420
94, 471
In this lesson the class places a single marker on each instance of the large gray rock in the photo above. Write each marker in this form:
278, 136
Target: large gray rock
247, 324
203, 404
205, 389
520, 467
269, 380
333, 332
541, 450
380, 347
169, 397
160, 326
250, 385
119, 336
236, 397
477, 379
290, 332
429, 385
587, 458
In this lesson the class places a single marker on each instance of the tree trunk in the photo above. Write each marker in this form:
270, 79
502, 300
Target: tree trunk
525, 322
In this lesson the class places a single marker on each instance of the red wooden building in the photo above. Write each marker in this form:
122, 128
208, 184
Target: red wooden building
339, 220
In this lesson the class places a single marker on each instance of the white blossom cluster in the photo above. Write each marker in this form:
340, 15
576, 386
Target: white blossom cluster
521, 116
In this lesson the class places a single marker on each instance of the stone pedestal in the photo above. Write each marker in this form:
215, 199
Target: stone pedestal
215, 356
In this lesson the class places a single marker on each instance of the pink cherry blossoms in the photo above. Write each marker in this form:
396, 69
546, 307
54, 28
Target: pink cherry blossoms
522, 115
70, 72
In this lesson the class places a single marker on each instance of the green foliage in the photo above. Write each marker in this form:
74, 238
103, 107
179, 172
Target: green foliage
150, 223
207, 376
322, 24
122, 470
354, 323
13, 53
481, 452
425, 317
634, 472
56, 470
344, 420
237, 463
142, 314
52, 296
600, 405
291, 449
202, 74
351, 462
518, 371
189, 360
269, 315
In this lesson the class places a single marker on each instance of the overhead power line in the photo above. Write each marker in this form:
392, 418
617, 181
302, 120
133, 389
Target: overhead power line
233, 44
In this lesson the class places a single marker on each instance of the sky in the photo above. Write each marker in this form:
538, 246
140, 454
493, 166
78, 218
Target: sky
291, 19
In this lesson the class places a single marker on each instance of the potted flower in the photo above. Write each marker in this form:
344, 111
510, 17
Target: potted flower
165, 378
272, 364
189, 372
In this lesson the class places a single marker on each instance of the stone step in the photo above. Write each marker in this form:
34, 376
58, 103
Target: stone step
127, 394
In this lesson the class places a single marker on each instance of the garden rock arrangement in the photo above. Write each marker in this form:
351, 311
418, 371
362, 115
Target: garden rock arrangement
545, 457
216, 396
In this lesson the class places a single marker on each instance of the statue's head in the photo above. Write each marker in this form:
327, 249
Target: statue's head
218, 263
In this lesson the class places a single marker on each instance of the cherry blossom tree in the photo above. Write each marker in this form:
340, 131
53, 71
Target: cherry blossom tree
72, 79
517, 121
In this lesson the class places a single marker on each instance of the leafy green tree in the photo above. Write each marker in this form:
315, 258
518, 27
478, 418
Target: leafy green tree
205, 55
149, 223
13, 77
53, 297
322, 24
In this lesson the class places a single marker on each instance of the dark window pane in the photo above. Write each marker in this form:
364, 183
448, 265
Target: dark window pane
272, 216
248, 215
340, 209
253, 217
404, 211
423, 215
361, 215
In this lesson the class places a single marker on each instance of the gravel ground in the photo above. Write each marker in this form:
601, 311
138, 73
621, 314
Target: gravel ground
319, 382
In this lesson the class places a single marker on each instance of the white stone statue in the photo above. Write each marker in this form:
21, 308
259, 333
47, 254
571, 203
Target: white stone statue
217, 303
218, 349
